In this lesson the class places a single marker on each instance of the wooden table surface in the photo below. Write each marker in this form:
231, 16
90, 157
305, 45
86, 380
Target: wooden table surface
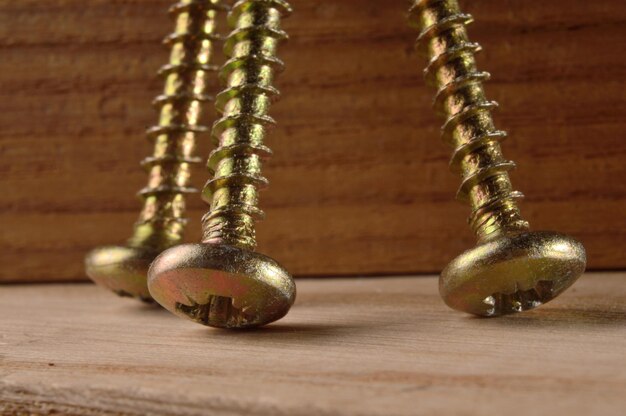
375, 346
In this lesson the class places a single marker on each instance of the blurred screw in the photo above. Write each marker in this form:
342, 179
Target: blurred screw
124, 269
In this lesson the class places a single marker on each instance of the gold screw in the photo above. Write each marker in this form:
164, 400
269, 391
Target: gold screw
511, 269
222, 282
124, 269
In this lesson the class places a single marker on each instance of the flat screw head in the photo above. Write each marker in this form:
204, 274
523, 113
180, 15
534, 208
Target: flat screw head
221, 286
512, 273
121, 269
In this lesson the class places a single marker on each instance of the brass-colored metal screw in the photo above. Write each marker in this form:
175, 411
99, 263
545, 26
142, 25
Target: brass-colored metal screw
124, 269
222, 282
511, 269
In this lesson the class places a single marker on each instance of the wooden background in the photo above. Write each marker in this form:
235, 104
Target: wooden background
359, 183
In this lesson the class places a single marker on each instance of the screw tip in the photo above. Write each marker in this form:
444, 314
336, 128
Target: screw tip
512, 273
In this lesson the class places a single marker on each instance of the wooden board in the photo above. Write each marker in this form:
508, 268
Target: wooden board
359, 183
378, 346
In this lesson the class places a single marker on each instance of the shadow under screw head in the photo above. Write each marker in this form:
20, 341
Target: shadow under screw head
221, 286
121, 269
512, 273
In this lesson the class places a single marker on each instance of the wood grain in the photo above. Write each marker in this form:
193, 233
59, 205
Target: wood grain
359, 183
377, 346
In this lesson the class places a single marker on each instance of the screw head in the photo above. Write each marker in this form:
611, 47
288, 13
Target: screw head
221, 286
123, 270
512, 273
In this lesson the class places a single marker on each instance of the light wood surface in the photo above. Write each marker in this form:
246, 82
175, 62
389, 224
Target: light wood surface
361, 346
359, 181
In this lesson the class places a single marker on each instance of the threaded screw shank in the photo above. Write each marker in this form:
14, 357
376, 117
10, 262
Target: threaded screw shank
235, 164
469, 126
192, 44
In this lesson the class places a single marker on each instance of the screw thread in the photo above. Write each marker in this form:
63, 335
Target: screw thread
162, 220
235, 164
469, 126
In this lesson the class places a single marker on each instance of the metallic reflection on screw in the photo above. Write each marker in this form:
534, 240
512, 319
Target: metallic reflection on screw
223, 282
511, 269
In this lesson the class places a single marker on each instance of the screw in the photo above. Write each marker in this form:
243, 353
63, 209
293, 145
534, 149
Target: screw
124, 269
511, 269
222, 282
